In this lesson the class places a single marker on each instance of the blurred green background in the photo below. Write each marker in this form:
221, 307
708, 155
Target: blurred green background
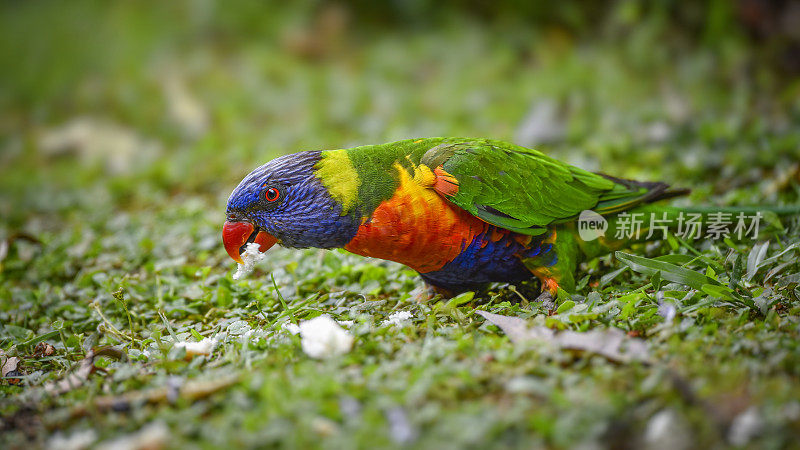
190, 95
124, 126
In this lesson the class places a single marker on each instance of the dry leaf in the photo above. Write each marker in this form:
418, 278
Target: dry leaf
153, 436
190, 391
3, 249
85, 368
10, 365
186, 110
11, 369
5, 244
120, 149
43, 349
610, 343
517, 329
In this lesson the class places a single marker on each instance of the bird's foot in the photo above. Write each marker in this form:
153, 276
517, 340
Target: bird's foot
550, 285
428, 292
547, 300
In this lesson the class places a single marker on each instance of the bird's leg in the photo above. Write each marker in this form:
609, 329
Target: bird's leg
549, 289
428, 292
549, 286
547, 300
556, 267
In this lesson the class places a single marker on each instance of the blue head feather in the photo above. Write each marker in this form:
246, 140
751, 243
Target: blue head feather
304, 216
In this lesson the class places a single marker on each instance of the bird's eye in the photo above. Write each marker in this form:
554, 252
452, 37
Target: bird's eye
272, 194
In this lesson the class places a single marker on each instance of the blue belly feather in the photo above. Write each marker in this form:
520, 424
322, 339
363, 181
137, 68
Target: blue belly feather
485, 261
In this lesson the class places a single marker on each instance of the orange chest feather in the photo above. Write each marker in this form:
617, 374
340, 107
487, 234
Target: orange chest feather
416, 227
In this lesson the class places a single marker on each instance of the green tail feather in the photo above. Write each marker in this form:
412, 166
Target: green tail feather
629, 193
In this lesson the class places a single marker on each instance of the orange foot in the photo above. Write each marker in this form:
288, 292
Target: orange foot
550, 285
548, 295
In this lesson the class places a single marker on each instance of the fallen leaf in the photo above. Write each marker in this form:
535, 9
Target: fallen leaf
85, 367
190, 391
517, 329
152, 436
43, 349
3, 249
755, 258
120, 149
11, 369
186, 110
5, 244
10, 364
610, 343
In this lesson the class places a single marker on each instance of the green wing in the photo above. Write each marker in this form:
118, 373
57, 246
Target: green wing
524, 190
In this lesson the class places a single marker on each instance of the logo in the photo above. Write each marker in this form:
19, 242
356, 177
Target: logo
591, 225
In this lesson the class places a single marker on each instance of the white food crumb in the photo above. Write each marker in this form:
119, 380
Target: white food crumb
290, 327
250, 257
397, 318
346, 323
322, 337
203, 347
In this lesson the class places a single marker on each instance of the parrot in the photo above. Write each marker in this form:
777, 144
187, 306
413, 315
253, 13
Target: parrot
462, 212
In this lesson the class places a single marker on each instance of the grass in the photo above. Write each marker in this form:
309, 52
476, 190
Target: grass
113, 226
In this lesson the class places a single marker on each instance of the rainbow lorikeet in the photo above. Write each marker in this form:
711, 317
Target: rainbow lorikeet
462, 212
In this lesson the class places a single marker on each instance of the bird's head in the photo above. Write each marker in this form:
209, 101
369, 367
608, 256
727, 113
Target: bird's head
284, 202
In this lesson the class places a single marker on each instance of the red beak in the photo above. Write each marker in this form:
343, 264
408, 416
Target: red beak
236, 234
